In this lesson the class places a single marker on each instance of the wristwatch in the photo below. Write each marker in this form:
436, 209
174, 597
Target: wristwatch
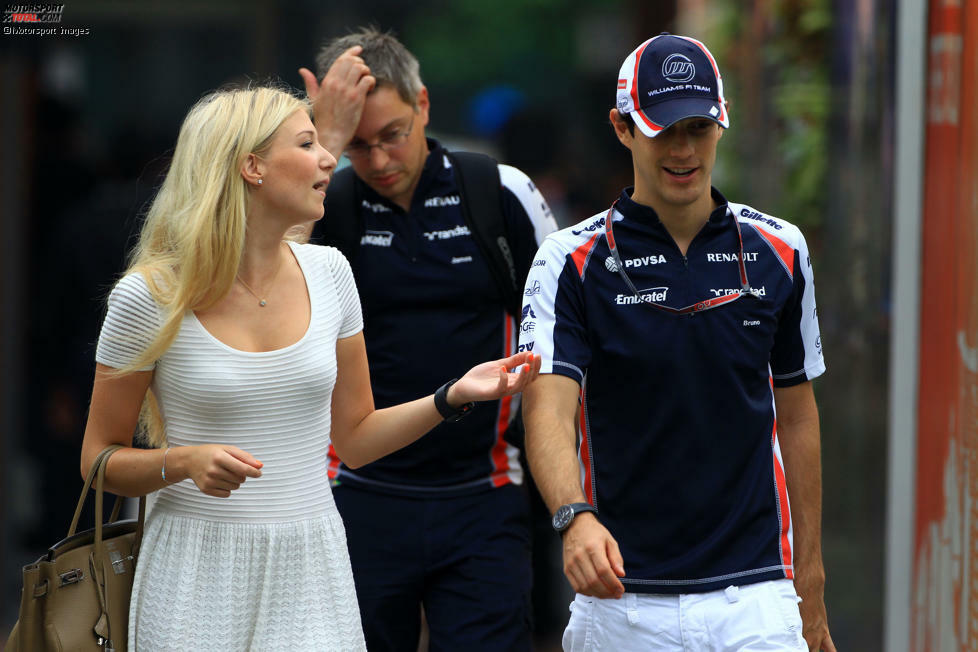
566, 513
447, 412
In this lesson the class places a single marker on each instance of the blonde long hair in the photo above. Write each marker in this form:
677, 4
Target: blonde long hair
191, 241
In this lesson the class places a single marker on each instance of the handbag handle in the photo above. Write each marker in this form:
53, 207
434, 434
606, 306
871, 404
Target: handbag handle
97, 558
92, 471
96, 474
99, 491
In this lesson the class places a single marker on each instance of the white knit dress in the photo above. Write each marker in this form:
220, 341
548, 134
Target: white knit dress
267, 568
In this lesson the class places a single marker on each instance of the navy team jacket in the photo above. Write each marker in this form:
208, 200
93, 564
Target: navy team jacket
678, 437
432, 311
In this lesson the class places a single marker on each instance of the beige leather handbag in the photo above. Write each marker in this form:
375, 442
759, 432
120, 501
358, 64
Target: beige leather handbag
76, 597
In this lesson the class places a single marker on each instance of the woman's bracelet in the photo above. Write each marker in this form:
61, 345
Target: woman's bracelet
163, 470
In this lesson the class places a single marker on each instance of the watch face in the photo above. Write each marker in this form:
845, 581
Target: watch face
562, 518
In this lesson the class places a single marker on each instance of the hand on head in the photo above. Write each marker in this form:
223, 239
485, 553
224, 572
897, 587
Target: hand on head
337, 102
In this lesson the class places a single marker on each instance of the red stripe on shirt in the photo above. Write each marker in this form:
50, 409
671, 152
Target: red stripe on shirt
585, 454
781, 483
581, 253
785, 252
333, 464
500, 461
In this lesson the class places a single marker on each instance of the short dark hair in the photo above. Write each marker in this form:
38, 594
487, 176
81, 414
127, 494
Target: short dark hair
389, 61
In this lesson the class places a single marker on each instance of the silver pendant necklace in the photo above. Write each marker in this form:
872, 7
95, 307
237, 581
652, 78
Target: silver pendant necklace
261, 301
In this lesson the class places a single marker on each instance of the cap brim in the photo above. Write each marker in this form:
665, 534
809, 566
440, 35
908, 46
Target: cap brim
665, 114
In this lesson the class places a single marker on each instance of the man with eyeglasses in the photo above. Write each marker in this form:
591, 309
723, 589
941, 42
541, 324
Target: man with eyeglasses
443, 523
680, 338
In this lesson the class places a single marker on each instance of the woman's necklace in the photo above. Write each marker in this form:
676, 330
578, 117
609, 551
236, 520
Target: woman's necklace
261, 302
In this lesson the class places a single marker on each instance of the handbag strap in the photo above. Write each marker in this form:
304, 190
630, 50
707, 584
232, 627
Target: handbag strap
139, 524
92, 471
99, 492
96, 474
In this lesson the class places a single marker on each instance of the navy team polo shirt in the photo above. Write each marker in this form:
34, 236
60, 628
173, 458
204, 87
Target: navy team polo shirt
678, 444
431, 311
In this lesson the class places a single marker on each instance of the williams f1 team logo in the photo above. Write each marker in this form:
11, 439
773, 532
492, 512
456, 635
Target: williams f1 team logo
677, 68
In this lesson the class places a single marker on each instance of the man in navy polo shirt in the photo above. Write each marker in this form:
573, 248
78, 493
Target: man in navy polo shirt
680, 336
442, 523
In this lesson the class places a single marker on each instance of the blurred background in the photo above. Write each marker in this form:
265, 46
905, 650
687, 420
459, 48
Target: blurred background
90, 117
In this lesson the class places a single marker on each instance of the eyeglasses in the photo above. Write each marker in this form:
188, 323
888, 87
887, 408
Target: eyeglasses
387, 143
713, 302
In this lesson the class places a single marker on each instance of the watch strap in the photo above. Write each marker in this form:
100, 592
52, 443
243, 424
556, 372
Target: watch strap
574, 509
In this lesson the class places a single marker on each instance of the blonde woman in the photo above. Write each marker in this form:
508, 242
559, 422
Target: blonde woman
245, 353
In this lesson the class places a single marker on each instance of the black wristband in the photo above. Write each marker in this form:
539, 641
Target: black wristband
447, 412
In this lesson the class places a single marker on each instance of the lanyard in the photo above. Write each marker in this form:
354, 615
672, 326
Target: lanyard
699, 306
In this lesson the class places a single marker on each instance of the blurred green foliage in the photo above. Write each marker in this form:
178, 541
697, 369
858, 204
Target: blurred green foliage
773, 56
517, 42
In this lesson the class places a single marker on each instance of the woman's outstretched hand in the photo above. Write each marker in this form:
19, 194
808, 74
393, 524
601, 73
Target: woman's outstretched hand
495, 379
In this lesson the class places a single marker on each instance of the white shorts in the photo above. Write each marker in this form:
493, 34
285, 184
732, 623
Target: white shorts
755, 617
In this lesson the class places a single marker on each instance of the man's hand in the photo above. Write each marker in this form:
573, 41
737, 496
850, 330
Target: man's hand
592, 561
337, 102
815, 625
